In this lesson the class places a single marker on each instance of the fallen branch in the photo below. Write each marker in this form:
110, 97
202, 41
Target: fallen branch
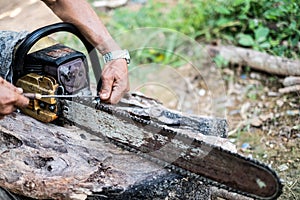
291, 80
291, 83
217, 193
289, 89
256, 60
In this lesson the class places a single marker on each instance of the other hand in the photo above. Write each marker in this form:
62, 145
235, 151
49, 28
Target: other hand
10, 98
115, 81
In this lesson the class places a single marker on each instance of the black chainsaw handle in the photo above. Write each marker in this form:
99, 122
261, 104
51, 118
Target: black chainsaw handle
32, 38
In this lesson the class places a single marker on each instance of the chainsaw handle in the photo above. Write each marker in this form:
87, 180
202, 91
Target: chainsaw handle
38, 34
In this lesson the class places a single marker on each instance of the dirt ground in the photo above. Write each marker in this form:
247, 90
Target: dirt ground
263, 124
27, 15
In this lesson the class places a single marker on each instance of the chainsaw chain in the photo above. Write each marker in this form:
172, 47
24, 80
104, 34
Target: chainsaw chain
164, 129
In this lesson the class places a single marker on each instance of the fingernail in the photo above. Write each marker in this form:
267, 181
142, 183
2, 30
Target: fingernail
104, 95
20, 90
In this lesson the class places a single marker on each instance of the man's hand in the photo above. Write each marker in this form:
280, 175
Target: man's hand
81, 14
114, 81
10, 98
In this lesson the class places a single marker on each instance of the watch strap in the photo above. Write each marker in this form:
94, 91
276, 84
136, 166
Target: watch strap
119, 54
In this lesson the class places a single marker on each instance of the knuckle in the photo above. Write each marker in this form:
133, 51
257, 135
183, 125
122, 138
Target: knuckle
107, 77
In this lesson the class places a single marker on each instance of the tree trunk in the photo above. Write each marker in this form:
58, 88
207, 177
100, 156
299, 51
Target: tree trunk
46, 161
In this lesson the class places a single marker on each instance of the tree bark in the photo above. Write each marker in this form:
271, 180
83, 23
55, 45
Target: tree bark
256, 60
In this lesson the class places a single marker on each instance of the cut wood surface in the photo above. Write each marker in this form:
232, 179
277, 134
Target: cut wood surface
46, 161
256, 60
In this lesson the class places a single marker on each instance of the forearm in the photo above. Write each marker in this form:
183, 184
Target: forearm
81, 14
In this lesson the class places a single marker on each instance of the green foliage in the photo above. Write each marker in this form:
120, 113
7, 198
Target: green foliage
220, 61
265, 25
259, 41
184, 17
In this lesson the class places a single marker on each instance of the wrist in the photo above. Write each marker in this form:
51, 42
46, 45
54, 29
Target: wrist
118, 54
108, 45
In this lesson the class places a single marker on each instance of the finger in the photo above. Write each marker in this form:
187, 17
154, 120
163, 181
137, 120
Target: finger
19, 90
116, 95
21, 101
118, 92
107, 84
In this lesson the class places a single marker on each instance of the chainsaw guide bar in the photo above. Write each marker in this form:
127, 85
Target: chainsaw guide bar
176, 151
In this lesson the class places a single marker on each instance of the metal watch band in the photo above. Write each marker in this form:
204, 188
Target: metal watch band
117, 55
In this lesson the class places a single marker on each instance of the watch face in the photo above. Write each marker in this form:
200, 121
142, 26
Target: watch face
107, 57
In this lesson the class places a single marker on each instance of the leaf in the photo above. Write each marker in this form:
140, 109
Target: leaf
274, 43
238, 2
222, 21
265, 45
220, 61
245, 40
293, 25
261, 34
222, 10
295, 41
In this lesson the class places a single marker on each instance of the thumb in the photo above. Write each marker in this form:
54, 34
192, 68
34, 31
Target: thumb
21, 101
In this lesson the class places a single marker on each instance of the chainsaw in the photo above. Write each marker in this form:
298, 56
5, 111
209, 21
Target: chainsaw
54, 70
56, 80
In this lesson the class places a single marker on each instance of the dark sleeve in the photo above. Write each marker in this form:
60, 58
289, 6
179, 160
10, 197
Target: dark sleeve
8, 41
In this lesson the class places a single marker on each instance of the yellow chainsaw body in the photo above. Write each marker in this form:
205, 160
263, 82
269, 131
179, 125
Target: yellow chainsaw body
44, 109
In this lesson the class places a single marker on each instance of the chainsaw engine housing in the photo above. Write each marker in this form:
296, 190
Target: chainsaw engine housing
66, 65
57, 69
53, 70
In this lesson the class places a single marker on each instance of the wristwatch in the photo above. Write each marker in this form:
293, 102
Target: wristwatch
119, 54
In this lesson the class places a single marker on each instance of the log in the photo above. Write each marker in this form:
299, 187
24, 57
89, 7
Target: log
256, 60
289, 89
291, 80
46, 161
52, 162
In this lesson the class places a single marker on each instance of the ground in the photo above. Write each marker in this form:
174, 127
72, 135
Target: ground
262, 123
265, 125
